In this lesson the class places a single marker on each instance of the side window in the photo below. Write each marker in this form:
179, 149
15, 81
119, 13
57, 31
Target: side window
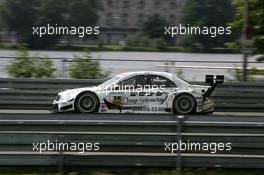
131, 81
128, 83
157, 80
141, 80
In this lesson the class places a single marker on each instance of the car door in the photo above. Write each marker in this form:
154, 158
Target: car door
160, 88
121, 90
134, 90
134, 96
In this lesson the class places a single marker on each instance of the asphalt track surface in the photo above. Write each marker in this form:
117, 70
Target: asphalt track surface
68, 117
3, 111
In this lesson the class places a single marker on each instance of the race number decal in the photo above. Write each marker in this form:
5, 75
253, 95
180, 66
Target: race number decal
117, 98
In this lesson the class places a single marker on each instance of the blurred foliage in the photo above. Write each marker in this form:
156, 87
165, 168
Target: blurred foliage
234, 46
138, 40
256, 19
154, 26
83, 12
25, 66
151, 37
179, 73
161, 44
44, 68
49, 12
1, 19
208, 13
86, 68
21, 15
238, 74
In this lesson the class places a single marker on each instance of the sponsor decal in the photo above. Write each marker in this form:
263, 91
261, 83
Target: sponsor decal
144, 100
148, 109
116, 98
116, 93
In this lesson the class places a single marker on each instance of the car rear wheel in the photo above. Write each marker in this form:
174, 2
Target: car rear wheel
87, 103
184, 104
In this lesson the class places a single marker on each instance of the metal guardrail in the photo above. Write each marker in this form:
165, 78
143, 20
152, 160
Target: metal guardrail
127, 141
39, 93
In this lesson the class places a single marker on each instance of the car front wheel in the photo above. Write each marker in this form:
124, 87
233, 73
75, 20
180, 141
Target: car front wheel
184, 104
87, 102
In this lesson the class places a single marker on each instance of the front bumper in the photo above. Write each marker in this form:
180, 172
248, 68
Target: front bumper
55, 108
62, 106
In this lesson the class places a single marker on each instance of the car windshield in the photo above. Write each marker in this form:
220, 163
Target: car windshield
112, 81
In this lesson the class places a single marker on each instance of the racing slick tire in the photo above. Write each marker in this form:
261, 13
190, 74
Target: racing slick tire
184, 104
87, 102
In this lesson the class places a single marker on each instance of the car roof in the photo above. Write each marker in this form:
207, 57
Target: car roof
165, 74
179, 82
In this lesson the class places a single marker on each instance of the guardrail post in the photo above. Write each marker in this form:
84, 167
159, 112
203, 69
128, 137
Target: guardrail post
166, 66
172, 64
61, 157
179, 137
63, 67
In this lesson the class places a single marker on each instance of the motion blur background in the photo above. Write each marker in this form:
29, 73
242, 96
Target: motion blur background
134, 31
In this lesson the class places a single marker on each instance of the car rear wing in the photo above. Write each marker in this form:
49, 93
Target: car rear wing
213, 81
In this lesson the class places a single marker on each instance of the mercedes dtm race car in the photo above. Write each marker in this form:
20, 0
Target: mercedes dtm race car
140, 92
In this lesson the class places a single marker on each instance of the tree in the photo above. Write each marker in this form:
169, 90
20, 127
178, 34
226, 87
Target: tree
154, 27
208, 13
161, 44
256, 19
86, 68
1, 19
138, 40
83, 12
21, 15
50, 12
25, 66
22, 66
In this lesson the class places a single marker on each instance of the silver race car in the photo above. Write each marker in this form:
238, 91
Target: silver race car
140, 92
